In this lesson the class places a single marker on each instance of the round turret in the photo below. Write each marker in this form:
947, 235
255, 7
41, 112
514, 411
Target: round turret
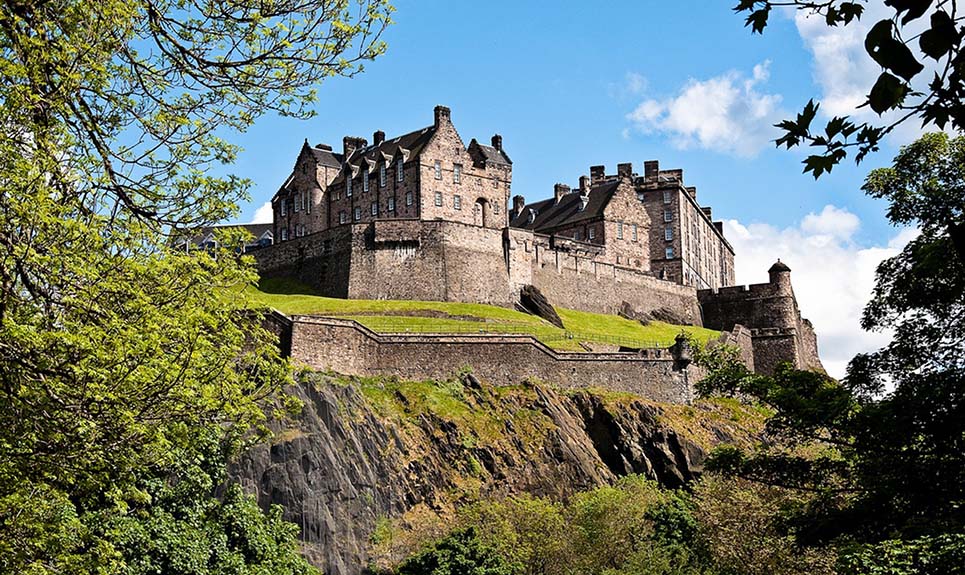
780, 275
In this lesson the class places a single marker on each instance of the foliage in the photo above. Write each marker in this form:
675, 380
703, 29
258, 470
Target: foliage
884, 466
939, 554
459, 553
117, 353
897, 45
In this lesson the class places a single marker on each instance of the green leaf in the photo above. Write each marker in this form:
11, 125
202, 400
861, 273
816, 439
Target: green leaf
889, 52
887, 93
940, 38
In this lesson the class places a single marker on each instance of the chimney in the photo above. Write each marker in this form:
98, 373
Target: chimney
378, 137
325, 147
692, 190
625, 170
560, 190
498, 142
442, 115
707, 211
584, 185
597, 173
518, 204
350, 144
651, 169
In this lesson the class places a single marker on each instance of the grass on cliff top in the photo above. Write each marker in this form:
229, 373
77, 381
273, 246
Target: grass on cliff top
394, 316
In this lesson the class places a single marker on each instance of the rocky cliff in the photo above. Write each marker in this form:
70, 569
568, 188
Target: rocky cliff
365, 451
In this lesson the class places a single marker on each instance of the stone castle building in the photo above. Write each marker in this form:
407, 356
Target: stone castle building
423, 216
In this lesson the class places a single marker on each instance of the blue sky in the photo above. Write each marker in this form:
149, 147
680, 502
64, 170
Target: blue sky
582, 83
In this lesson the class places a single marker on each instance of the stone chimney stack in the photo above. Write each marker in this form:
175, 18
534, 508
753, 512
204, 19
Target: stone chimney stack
597, 173
707, 212
560, 190
518, 204
692, 190
584, 185
350, 144
442, 114
498, 142
625, 170
651, 169
378, 137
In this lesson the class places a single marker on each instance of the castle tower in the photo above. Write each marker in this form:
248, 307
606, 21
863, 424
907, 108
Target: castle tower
780, 276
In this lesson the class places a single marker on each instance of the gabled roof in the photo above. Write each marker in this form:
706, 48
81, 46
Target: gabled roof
550, 215
489, 153
409, 145
326, 157
201, 235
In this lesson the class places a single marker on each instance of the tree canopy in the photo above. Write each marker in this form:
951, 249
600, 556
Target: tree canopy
121, 357
902, 45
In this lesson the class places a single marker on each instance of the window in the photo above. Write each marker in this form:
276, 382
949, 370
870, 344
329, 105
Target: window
308, 202
456, 173
408, 198
375, 208
358, 213
457, 202
438, 170
669, 253
381, 175
284, 208
496, 208
667, 216
342, 217
298, 202
576, 235
667, 198
591, 233
668, 233
391, 206
633, 232
365, 180
619, 230
399, 173
438, 199
348, 185
284, 234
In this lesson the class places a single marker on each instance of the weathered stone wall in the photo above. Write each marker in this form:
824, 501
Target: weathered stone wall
322, 261
742, 339
346, 347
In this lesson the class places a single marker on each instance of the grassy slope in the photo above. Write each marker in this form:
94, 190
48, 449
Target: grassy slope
392, 316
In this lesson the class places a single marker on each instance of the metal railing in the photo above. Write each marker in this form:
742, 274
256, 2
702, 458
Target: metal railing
390, 326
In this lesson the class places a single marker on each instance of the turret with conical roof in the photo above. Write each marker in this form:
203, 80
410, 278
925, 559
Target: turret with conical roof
780, 275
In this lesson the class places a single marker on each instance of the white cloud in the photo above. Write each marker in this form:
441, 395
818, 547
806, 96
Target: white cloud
633, 84
726, 113
832, 276
845, 72
263, 215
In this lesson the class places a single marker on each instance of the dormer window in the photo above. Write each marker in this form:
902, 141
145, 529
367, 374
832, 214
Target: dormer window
532, 216
382, 175
399, 174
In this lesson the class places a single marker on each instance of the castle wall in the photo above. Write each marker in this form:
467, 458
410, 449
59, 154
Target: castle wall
346, 347
322, 261
581, 283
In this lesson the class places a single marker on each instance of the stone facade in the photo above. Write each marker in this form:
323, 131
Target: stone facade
346, 347
770, 312
428, 174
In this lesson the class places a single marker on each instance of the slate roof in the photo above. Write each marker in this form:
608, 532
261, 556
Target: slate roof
197, 236
551, 216
327, 157
410, 144
491, 154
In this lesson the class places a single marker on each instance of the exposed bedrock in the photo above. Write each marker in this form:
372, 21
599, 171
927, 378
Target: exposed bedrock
365, 450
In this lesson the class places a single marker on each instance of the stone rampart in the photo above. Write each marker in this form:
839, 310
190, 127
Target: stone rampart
347, 347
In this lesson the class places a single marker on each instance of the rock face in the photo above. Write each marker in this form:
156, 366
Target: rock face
536, 303
369, 450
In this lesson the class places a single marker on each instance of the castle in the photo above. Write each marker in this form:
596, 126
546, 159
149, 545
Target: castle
423, 216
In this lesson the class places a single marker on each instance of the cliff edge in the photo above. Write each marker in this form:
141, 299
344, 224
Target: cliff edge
367, 450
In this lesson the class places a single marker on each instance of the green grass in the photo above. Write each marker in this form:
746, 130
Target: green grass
404, 316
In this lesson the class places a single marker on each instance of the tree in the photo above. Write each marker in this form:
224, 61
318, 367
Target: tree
887, 468
901, 50
117, 352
